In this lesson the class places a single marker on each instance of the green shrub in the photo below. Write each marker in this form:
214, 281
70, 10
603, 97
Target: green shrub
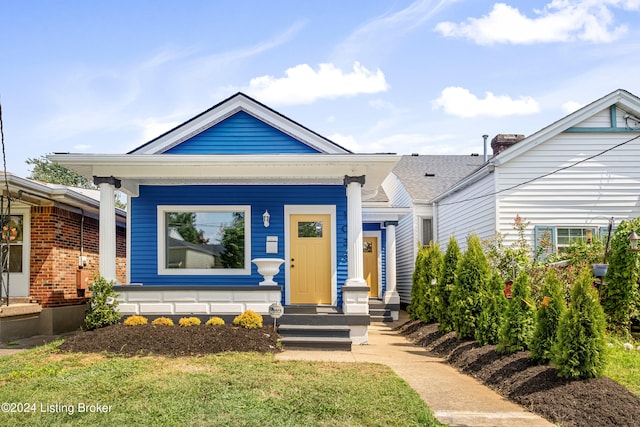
99, 313
427, 271
164, 321
548, 315
135, 320
493, 309
249, 320
189, 321
580, 349
215, 321
445, 285
620, 290
472, 276
517, 326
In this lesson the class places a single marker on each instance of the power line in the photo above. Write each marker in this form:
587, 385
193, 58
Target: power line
529, 181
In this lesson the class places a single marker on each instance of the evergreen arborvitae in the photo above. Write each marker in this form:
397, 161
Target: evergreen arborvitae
415, 309
580, 349
428, 270
472, 276
620, 291
446, 283
548, 316
517, 326
493, 310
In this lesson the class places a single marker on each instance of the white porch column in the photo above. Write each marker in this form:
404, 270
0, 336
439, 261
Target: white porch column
355, 269
391, 295
107, 245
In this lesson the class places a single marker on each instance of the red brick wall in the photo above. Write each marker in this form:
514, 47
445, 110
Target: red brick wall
55, 248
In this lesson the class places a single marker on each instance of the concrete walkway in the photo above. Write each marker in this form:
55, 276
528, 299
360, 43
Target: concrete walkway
456, 399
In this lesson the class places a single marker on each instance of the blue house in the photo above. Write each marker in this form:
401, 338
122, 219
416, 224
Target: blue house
236, 188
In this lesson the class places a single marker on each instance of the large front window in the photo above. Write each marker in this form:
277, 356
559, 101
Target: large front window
204, 240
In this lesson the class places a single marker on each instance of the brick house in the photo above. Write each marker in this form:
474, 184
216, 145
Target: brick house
52, 256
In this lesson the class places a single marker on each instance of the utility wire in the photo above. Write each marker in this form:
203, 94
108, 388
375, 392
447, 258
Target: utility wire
529, 181
4, 155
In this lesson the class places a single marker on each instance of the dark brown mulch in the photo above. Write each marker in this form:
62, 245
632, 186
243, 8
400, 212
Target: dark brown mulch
172, 340
594, 402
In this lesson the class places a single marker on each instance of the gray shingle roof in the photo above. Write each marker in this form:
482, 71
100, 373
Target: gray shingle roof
443, 171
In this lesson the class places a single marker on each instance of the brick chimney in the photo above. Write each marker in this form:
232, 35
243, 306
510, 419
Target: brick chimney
503, 141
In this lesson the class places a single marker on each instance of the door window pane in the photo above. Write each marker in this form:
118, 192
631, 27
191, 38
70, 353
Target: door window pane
15, 258
310, 229
367, 247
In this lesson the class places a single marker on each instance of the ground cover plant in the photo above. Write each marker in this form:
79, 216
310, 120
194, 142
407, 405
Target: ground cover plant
219, 389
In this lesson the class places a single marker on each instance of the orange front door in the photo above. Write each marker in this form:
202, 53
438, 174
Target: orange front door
370, 261
310, 263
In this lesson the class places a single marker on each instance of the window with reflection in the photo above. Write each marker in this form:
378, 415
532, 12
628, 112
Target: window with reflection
205, 240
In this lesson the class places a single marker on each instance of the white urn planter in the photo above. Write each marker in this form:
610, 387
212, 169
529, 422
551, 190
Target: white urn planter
268, 267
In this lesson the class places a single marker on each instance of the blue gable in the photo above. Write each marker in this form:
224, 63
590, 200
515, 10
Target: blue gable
241, 133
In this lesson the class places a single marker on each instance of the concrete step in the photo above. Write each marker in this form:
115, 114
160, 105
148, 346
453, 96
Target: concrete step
333, 331
316, 343
316, 337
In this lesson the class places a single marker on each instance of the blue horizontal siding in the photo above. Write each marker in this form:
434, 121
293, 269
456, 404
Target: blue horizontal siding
242, 133
383, 250
143, 213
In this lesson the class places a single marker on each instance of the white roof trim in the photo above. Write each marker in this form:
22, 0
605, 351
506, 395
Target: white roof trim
218, 113
620, 97
134, 170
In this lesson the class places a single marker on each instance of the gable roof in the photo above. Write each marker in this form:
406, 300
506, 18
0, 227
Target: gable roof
426, 176
620, 98
226, 109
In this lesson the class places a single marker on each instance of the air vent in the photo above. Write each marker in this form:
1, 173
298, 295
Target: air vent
429, 174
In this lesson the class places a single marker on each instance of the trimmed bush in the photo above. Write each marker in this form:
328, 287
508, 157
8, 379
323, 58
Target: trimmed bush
472, 276
135, 320
163, 321
548, 315
516, 330
445, 285
189, 321
493, 310
99, 313
580, 349
424, 284
215, 321
249, 320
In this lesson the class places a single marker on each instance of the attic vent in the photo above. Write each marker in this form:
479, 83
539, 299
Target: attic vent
415, 154
429, 174
475, 155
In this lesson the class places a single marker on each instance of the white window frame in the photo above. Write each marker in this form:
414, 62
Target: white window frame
559, 248
164, 271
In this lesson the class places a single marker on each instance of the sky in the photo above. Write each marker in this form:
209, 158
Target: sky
422, 76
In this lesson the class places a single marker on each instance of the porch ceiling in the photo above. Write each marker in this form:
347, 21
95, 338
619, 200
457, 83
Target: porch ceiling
135, 170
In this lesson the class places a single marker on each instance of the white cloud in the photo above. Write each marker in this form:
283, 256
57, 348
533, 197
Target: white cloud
458, 101
571, 106
558, 21
83, 148
304, 85
346, 141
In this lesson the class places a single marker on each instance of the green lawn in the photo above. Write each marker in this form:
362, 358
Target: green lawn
218, 390
624, 366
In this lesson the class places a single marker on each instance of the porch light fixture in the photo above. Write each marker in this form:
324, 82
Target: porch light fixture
633, 241
266, 217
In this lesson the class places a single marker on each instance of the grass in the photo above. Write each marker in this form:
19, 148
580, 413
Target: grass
233, 389
624, 366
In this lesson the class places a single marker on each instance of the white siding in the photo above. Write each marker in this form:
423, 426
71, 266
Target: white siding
603, 119
459, 217
587, 194
405, 237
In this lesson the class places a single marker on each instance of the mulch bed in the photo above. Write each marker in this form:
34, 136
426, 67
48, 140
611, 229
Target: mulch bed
594, 402
172, 340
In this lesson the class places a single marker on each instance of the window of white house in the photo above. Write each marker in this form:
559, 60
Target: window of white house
204, 240
566, 236
427, 231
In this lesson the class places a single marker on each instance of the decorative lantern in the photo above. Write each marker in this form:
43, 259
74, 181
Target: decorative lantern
633, 241
266, 217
